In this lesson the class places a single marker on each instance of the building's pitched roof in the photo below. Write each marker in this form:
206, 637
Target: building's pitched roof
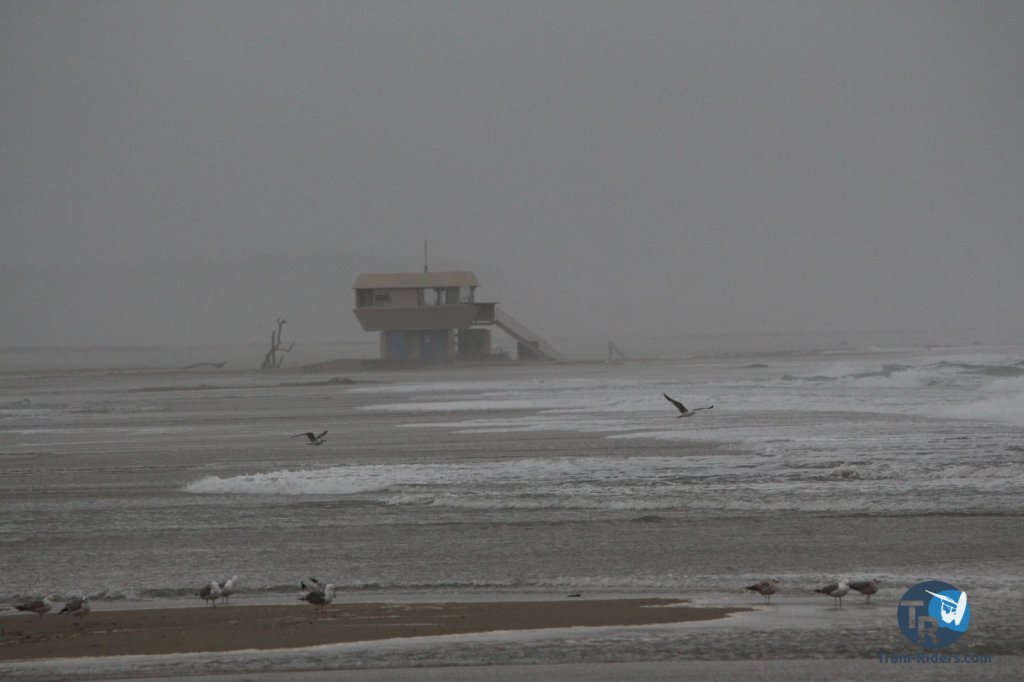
415, 280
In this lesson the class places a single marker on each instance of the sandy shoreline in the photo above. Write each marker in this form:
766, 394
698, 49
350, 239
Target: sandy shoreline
228, 628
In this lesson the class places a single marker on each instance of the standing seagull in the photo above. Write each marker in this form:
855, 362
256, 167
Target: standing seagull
39, 606
766, 588
837, 591
866, 587
320, 598
227, 588
77, 607
210, 593
314, 438
683, 412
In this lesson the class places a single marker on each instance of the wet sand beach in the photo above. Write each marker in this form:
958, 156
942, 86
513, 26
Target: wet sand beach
227, 628
847, 670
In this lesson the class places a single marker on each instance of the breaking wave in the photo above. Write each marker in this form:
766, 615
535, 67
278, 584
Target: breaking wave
653, 485
969, 371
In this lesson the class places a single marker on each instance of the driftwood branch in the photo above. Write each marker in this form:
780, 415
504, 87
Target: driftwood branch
272, 360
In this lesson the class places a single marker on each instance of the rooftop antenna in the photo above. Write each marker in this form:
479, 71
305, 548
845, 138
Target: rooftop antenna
424, 255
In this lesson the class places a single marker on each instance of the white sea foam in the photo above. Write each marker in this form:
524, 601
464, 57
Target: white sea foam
532, 424
578, 402
967, 371
379, 477
852, 387
481, 404
1002, 401
740, 481
978, 387
787, 442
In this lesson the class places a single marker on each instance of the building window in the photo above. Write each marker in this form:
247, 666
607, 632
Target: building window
364, 298
445, 295
381, 296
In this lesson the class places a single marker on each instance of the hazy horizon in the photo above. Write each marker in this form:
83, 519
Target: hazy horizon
184, 173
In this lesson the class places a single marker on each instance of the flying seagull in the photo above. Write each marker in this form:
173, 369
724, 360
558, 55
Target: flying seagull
210, 593
683, 412
320, 598
227, 588
766, 588
312, 585
314, 438
837, 591
77, 607
39, 606
866, 587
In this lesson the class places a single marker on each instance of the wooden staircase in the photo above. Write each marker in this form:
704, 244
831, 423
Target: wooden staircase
531, 346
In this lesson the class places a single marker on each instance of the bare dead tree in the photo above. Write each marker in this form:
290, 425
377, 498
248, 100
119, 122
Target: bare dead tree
272, 360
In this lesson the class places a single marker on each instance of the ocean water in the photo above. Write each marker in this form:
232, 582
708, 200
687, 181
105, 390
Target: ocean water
529, 481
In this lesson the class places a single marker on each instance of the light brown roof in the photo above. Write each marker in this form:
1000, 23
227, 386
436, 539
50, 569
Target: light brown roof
415, 280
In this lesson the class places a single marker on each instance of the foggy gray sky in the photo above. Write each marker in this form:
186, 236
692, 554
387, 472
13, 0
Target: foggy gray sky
185, 172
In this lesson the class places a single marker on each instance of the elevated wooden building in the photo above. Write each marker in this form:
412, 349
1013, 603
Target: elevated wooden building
432, 317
